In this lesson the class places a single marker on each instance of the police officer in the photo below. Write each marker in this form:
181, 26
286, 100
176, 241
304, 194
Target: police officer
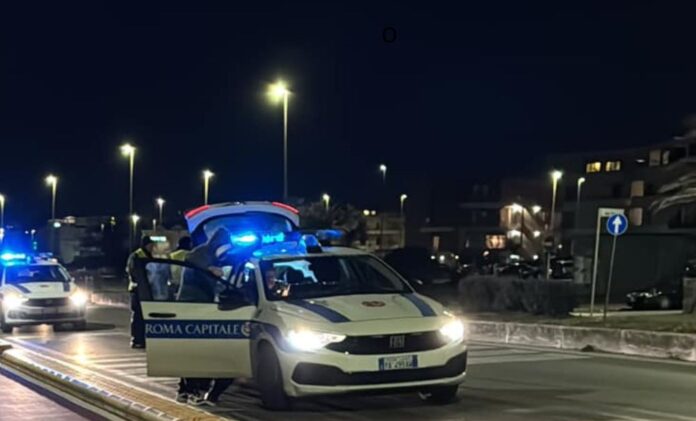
182, 250
137, 323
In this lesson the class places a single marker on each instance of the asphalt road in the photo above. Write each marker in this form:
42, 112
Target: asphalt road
504, 383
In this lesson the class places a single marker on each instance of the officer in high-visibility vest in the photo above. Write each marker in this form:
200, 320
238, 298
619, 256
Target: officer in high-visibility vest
137, 322
182, 250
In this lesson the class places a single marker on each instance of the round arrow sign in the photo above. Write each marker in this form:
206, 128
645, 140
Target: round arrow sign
617, 224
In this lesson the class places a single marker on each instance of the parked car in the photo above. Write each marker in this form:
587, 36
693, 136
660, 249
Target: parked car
519, 269
663, 296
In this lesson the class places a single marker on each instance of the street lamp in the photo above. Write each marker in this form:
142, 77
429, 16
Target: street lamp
2, 211
402, 199
279, 91
581, 181
160, 205
327, 200
207, 175
134, 220
555, 177
128, 151
52, 182
383, 170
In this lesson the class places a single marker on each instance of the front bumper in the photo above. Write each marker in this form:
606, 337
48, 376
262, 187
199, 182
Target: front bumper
26, 315
327, 372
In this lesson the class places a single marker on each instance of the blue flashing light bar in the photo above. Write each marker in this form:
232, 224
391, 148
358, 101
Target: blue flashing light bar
244, 239
9, 256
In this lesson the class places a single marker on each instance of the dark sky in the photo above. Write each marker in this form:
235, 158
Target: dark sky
463, 92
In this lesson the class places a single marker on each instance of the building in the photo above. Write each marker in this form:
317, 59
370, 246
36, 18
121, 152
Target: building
384, 231
655, 186
88, 241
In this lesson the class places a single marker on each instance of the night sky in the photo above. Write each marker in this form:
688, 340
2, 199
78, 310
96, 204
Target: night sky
469, 92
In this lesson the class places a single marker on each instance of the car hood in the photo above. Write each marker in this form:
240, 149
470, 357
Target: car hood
361, 307
42, 289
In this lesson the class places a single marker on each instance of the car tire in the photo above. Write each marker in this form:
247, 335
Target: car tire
440, 395
5, 328
269, 379
81, 325
665, 303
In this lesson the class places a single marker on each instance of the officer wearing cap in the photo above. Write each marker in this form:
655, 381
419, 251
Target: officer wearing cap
137, 322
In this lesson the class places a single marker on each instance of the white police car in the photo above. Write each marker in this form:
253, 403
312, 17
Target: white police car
301, 319
38, 291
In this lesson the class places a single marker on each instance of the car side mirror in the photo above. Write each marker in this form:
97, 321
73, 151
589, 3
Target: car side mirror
230, 299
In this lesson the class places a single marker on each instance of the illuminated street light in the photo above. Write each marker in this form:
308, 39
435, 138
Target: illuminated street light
160, 204
383, 170
555, 177
366, 212
134, 221
128, 151
327, 200
279, 91
52, 182
402, 199
207, 175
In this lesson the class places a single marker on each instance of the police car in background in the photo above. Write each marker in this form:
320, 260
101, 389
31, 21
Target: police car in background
301, 320
36, 290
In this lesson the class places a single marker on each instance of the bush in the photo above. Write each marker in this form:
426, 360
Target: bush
534, 296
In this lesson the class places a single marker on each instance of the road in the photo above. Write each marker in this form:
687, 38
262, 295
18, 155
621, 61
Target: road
504, 383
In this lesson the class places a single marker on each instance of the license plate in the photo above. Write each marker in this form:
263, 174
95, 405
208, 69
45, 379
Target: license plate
50, 311
400, 362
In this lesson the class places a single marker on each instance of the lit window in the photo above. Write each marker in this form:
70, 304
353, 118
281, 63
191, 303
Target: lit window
591, 167
610, 166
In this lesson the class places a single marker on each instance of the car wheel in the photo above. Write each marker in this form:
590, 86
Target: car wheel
665, 303
81, 325
269, 379
440, 394
6, 329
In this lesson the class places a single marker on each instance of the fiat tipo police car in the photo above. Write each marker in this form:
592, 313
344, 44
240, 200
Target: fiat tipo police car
300, 319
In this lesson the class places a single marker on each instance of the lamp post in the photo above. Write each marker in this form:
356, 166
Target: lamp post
555, 177
134, 220
52, 182
128, 151
279, 92
207, 175
327, 201
581, 181
383, 170
160, 205
402, 199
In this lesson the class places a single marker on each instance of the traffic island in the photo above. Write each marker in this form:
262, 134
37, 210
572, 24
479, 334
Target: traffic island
111, 397
679, 346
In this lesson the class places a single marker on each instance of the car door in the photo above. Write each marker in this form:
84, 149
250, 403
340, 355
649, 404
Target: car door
196, 325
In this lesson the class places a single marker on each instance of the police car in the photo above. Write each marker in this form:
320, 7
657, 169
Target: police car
35, 290
301, 319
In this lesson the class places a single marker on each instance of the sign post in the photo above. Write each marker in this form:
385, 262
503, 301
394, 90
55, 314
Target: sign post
616, 225
601, 213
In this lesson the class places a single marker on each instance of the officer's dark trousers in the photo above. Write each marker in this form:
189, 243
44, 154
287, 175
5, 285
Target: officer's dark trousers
137, 322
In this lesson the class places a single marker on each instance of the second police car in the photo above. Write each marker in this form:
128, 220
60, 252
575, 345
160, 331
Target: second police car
299, 318
36, 290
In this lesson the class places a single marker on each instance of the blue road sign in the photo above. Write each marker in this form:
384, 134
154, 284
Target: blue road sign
617, 224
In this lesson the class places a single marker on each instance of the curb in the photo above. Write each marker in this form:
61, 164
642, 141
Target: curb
99, 398
677, 346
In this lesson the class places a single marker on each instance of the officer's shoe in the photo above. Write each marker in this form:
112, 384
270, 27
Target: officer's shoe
196, 400
182, 397
136, 345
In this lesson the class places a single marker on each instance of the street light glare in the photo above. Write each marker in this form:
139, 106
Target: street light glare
51, 180
160, 201
326, 197
382, 167
404, 197
207, 174
556, 175
278, 90
127, 149
135, 218
581, 180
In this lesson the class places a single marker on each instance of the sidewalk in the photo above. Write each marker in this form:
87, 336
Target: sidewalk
22, 403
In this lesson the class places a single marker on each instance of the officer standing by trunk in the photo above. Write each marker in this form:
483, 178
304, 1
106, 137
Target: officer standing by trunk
137, 322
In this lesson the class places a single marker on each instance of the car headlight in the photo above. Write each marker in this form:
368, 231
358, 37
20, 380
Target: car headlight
308, 340
453, 331
79, 298
12, 300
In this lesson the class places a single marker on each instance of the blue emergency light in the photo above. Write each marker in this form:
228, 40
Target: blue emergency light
10, 256
248, 239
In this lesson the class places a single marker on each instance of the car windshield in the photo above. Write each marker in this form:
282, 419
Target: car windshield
35, 273
252, 221
322, 276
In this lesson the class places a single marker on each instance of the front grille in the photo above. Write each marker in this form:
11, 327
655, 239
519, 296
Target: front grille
389, 344
18, 314
47, 302
326, 375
